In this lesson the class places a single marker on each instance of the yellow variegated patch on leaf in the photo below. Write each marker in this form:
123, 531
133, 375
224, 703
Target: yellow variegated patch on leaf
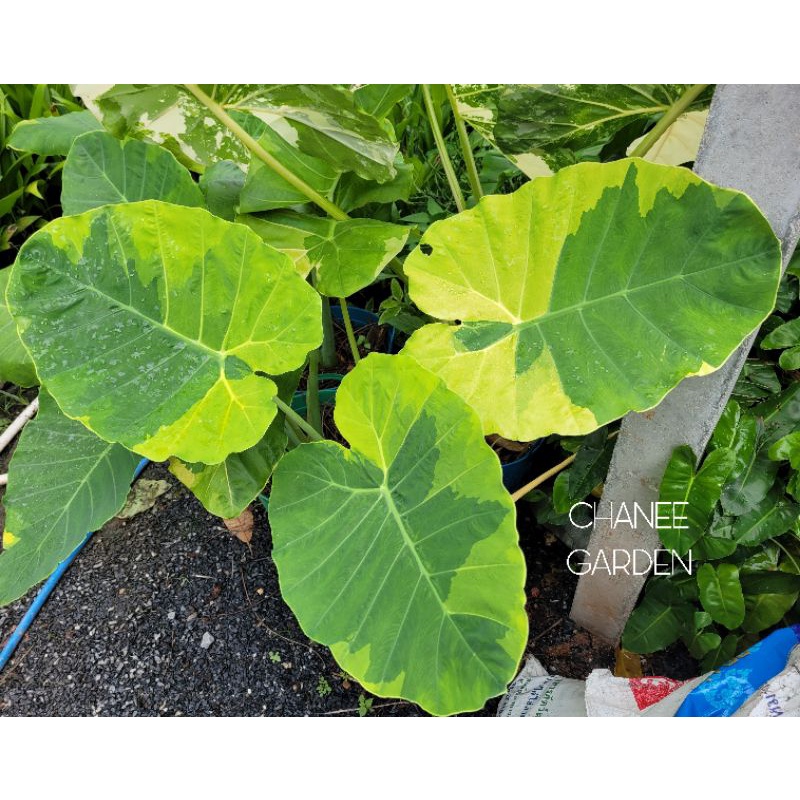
154, 324
589, 294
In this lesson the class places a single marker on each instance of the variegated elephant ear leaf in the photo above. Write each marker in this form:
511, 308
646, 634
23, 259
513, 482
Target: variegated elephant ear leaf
401, 553
154, 324
589, 294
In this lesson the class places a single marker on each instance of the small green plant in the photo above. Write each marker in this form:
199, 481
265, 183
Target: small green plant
275, 657
323, 687
364, 705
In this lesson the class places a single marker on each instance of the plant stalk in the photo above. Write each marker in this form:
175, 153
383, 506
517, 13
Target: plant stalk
313, 414
444, 157
257, 150
292, 433
670, 115
540, 479
294, 417
328, 349
466, 149
348, 327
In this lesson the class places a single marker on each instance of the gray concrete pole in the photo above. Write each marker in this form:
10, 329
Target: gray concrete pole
751, 143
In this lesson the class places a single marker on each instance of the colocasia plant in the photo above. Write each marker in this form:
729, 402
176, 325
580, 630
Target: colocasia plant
171, 317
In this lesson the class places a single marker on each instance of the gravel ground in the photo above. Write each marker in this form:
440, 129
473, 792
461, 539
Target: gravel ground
168, 614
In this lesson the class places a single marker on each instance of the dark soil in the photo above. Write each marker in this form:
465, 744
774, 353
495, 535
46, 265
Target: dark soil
123, 632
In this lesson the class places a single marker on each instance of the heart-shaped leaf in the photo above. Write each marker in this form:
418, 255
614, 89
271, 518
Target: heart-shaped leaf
698, 492
655, 624
401, 553
586, 295
345, 256
153, 323
100, 170
721, 594
63, 482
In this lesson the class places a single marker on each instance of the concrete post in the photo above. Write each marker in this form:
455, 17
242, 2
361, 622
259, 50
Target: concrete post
751, 143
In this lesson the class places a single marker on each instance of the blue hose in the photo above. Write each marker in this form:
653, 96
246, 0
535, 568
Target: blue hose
46, 590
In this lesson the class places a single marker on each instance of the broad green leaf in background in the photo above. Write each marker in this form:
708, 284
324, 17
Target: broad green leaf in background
700, 643
52, 136
63, 482
699, 491
587, 471
16, 364
319, 120
222, 185
786, 337
345, 256
557, 121
378, 99
324, 121
167, 114
753, 472
780, 414
717, 542
265, 190
401, 553
721, 594
154, 323
353, 192
477, 104
227, 488
762, 611
787, 448
679, 143
771, 517
100, 170
555, 294
655, 624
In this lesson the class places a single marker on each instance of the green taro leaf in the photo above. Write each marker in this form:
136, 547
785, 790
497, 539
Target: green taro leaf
656, 624
265, 190
52, 136
780, 414
63, 482
353, 192
222, 185
345, 256
401, 553
700, 643
557, 121
153, 324
787, 449
16, 365
721, 594
100, 170
227, 488
589, 294
700, 491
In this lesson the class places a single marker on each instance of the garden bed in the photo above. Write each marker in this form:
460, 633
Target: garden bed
123, 632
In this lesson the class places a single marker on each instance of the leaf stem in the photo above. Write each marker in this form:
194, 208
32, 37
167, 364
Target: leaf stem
670, 115
444, 157
257, 150
466, 149
348, 327
291, 432
294, 417
313, 415
328, 349
540, 479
